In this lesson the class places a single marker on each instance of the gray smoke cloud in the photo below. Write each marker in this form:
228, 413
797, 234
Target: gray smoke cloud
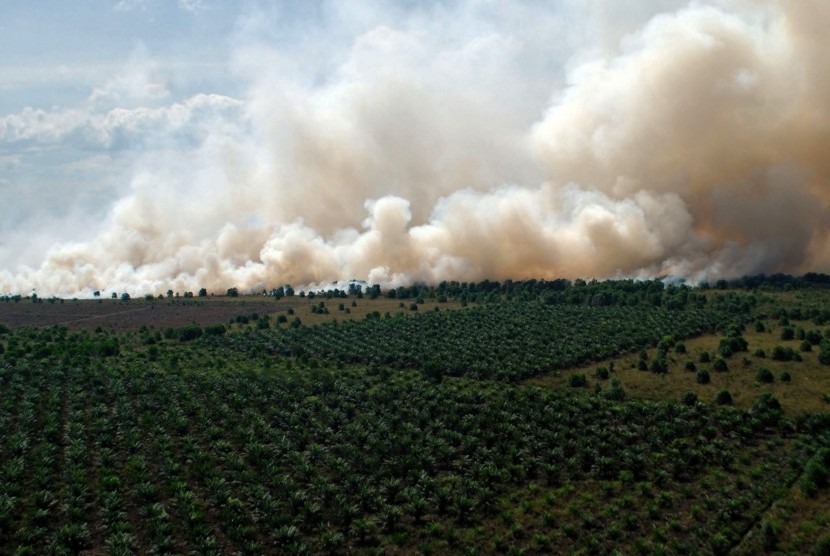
694, 145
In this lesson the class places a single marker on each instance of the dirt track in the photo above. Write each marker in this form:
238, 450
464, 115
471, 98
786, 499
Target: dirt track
131, 315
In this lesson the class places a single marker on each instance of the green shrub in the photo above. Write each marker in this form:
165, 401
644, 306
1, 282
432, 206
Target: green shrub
723, 398
770, 531
602, 373
577, 380
215, 329
764, 375
703, 376
780, 353
785, 377
689, 398
189, 332
616, 391
720, 365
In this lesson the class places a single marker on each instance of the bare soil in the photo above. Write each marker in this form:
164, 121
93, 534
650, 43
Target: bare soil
116, 315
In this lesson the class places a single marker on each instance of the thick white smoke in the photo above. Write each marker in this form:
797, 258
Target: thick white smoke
697, 147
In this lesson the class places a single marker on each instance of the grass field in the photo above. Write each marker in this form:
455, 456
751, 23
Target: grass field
807, 391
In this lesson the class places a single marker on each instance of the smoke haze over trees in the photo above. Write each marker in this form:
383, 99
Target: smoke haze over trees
453, 141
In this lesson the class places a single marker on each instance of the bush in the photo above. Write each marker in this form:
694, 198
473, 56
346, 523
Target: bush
814, 337
731, 345
764, 375
760, 354
805, 346
767, 408
680, 347
659, 366
602, 373
577, 380
780, 353
232, 292
189, 332
723, 398
704, 357
720, 365
689, 398
785, 377
215, 329
690, 366
615, 392
770, 531
787, 333
823, 547
824, 355
703, 377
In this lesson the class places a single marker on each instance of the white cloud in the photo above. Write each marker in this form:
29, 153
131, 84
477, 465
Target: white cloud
194, 6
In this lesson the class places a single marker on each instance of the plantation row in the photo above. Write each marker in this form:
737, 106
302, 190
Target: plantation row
506, 341
177, 458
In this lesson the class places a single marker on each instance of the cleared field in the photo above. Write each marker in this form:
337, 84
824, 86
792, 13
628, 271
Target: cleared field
119, 316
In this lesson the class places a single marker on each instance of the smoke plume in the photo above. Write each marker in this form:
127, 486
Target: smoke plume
695, 145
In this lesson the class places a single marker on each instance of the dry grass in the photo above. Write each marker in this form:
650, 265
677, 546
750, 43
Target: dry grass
810, 380
302, 307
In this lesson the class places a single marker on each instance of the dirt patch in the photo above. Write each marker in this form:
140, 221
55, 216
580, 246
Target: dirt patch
130, 315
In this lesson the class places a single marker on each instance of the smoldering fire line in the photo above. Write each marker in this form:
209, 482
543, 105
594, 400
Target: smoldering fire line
698, 149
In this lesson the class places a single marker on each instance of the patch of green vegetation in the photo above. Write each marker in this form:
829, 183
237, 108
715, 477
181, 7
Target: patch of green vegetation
410, 432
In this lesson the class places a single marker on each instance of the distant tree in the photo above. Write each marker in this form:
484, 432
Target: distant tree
169, 293
96, 293
125, 296
202, 292
114, 295
232, 292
